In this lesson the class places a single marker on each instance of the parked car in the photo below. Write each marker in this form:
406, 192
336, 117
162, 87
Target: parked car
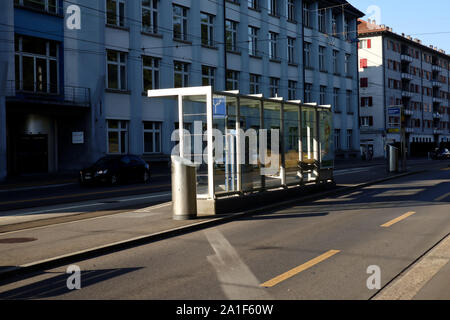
441, 154
115, 170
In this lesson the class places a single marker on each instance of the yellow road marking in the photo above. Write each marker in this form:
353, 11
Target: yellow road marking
76, 195
300, 268
394, 221
440, 198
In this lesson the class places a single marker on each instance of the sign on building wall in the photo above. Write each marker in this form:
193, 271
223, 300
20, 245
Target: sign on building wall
394, 115
78, 137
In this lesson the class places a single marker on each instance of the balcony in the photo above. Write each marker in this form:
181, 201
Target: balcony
437, 68
408, 112
437, 83
438, 131
437, 116
407, 76
437, 100
48, 94
406, 58
409, 130
407, 94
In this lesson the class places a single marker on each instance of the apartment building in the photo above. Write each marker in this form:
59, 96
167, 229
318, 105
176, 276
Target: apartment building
398, 70
78, 94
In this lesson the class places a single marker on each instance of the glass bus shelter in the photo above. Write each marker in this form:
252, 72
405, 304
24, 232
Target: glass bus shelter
247, 143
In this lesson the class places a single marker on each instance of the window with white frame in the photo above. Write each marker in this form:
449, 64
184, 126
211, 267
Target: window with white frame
336, 99
347, 68
322, 96
349, 139
274, 86
307, 55
291, 49
180, 23
272, 6
336, 61
254, 84
116, 70
208, 76
150, 16
253, 41
207, 26
321, 14
253, 4
290, 8
337, 139
307, 14
36, 64
349, 101
181, 74
273, 45
322, 66
117, 136
346, 29
150, 72
308, 92
115, 12
232, 80
43, 5
152, 137
231, 35
292, 90
334, 24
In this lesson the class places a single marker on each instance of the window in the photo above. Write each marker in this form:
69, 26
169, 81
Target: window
349, 101
322, 95
208, 76
366, 102
307, 55
336, 62
290, 8
306, 15
254, 83
152, 137
366, 121
36, 65
308, 90
334, 25
336, 99
322, 20
117, 70
115, 12
150, 16
253, 4
44, 5
274, 86
181, 74
253, 41
150, 72
272, 6
364, 82
292, 90
232, 80
346, 29
231, 35
347, 65
322, 66
365, 44
291, 49
273, 46
207, 26
363, 63
337, 139
117, 136
180, 23
349, 139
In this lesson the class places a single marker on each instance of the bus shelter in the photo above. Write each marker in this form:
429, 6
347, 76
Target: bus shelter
244, 144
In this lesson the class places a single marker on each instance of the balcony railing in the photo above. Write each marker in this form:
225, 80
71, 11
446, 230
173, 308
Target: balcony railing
436, 83
435, 67
47, 92
405, 57
407, 76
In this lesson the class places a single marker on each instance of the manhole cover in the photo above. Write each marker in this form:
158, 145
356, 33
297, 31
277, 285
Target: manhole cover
17, 240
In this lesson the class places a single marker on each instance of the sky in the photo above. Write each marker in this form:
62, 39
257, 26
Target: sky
427, 20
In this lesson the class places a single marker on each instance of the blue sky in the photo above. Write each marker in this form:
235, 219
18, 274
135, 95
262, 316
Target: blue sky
425, 20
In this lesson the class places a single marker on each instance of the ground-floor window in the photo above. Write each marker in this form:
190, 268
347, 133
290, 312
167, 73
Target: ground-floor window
117, 136
152, 137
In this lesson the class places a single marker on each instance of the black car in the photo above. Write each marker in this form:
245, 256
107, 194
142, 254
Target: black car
441, 154
115, 170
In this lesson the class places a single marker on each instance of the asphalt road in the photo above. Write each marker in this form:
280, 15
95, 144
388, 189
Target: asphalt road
316, 250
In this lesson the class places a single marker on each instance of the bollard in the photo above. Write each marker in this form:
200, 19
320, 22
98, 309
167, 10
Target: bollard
393, 158
184, 189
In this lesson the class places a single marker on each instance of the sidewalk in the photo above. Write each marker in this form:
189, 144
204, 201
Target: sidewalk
40, 247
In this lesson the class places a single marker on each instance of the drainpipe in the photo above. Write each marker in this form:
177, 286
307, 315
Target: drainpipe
225, 42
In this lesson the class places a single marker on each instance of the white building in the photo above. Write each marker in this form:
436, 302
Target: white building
399, 70
296, 49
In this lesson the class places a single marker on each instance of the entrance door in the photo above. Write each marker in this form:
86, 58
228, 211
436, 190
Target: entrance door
32, 153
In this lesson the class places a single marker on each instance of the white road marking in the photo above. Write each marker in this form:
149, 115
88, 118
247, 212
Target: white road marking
38, 187
235, 277
440, 198
415, 278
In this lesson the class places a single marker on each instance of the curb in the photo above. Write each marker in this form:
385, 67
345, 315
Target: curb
166, 234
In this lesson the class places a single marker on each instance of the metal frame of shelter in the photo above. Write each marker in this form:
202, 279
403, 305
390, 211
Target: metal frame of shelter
306, 150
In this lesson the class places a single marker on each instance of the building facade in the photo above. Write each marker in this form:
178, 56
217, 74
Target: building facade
397, 70
90, 100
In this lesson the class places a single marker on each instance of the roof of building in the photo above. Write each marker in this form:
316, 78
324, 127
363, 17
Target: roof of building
371, 28
348, 7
